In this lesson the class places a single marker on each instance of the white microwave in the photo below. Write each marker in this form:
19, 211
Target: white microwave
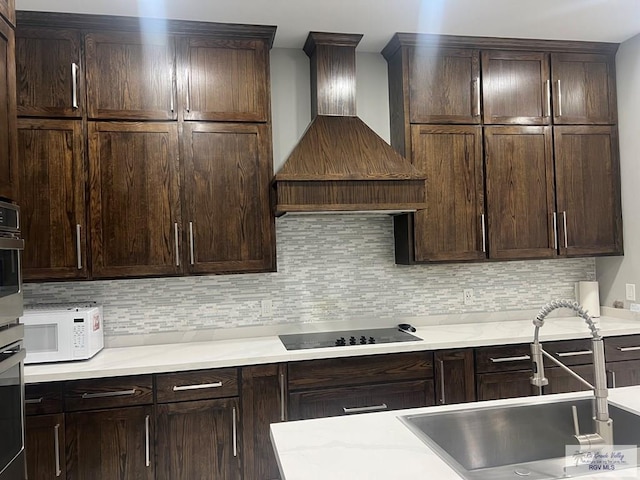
62, 332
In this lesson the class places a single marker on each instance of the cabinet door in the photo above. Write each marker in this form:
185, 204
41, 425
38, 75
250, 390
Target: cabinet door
494, 386
130, 75
263, 403
44, 447
50, 79
516, 88
8, 133
584, 88
623, 374
52, 199
444, 85
332, 402
8, 11
451, 228
520, 194
228, 222
454, 376
561, 381
198, 440
588, 189
134, 199
114, 444
224, 79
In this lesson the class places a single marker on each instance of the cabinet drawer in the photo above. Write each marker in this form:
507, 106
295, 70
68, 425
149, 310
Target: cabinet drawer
503, 358
360, 370
570, 352
332, 402
108, 392
197, 385
622, 348
43, 398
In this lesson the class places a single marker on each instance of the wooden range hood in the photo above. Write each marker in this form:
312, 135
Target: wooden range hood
340, 164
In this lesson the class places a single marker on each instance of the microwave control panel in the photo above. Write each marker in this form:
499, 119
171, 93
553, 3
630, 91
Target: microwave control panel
79, 330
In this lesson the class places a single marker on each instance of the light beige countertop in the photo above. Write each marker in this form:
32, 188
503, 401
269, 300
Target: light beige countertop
253, 350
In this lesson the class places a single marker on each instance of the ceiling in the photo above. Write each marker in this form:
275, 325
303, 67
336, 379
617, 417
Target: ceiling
378, 20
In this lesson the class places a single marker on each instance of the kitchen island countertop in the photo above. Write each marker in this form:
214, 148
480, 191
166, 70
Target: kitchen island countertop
378, 446
145, 359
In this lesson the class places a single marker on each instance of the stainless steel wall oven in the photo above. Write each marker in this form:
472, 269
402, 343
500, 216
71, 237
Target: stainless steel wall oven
12, 353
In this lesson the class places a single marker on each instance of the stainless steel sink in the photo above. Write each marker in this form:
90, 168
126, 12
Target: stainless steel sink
515, 441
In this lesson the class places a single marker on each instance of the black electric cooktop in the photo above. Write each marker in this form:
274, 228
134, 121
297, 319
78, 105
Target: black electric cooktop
344, 338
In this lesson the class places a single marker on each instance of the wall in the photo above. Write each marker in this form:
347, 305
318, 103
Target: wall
330, 267
613, 273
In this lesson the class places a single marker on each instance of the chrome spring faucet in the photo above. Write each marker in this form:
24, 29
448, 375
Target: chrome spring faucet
603, 425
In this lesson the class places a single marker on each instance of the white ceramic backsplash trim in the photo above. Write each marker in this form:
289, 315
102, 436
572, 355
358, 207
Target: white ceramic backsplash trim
337, 268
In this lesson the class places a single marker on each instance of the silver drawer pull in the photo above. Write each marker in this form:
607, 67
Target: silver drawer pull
574, 354
32, 401
147, 442
372, 408
510, 359
182, 388
119, 393
56, 448
628, 349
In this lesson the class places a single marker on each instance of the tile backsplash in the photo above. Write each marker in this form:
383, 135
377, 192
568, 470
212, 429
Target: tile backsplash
330, 267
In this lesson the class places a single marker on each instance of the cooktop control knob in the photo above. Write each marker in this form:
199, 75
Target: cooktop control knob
352, 340
363, 340
372, 340
341, 342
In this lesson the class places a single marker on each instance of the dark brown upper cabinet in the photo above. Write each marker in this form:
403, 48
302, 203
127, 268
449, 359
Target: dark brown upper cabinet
453, 227
224, 80
49, 73
584, 88
520, 192
52, 199
516, 87
130, 76
588, 190
227, 218
134, 199
8, 11
8, 125
444, 85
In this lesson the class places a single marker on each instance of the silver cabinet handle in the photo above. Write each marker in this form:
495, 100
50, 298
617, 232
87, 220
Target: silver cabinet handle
191, 248
442, 395
188, 99
371, 408
56, 448
613, 378
510, 359
235, 434
33, 401
119, 393
171, 106
476, 94
147, 456
574, 354
627, 349
79, 245
555, 231
564, 223
547, 103
74, 85
484, 233
176, 240
559, 99
282, 394
202, 386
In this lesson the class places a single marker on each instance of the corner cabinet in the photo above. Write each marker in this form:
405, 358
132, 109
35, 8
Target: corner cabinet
518, 141
178, 163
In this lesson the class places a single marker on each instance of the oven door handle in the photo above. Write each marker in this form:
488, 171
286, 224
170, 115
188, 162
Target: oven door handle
13, 360
11, 243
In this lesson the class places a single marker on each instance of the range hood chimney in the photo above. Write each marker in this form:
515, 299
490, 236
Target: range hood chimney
340, 164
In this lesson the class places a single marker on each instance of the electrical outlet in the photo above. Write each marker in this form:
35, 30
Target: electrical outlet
266, 307
468, 296
631, 292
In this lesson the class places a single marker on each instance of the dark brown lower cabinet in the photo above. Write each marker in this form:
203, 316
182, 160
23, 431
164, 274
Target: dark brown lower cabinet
114, 444
454, 376
44, 446
264, 401
332, 402
198, 440
561, 381
494, 386
623, 374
